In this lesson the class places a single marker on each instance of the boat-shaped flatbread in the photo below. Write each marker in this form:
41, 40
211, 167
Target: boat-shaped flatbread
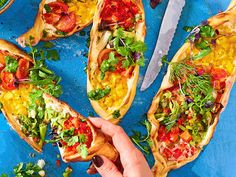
29, 109
194, 92
76, 137
116, 52
59, 18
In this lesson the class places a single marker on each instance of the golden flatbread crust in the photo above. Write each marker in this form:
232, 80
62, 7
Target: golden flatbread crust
12, 119
100, 144
163, 166
39, 25
93, 64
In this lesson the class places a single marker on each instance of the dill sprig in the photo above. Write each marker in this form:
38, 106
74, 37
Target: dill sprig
180, 70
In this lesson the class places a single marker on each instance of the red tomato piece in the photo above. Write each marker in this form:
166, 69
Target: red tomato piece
58, 163
121, 12
58, 7
177, 153
186, 136
218, 73
51, 18
8, 80
22, 71
173, 135
162, 137
67, 23
167, 153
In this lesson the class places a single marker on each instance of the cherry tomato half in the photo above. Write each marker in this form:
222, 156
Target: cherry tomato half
67, 23
22, 71
8, 80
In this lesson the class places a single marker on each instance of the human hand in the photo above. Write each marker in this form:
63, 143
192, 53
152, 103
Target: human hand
132, 160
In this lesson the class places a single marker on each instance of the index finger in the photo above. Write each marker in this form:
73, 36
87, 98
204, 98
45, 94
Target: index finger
120, 139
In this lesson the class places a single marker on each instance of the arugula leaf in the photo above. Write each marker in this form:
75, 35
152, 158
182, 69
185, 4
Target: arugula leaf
11, 64
98, 94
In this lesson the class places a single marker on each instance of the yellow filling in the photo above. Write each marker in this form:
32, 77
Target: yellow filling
222, 54
84, 10
16, 101
119, 89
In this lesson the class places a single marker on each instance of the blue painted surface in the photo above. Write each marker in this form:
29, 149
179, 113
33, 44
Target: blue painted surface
217, 160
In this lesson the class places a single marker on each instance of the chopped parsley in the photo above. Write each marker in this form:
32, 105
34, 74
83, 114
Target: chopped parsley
98, 94
11, 64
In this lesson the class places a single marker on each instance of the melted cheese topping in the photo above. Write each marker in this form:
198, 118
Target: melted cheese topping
16, 102
84, 10
119, 89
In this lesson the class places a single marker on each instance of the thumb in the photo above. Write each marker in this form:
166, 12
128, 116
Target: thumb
105, 167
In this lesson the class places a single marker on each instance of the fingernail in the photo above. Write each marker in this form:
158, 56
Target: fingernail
98, 161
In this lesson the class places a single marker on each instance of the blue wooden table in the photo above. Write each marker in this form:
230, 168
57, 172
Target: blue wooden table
218, 159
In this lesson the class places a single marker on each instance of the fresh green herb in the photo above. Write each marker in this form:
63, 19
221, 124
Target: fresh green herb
170, 121
61, 33
68, 172
4, 175
47, 8
109, 64
179, 70
143, 141
188, 28
2, 3
130, 48
28, 170
164, 59
11, 64
48, 45
44, 78
52, 55
88, 41
1, 106
116, 114
83, 150
202, 37
45, 33
202, 53
98, 94
82, 33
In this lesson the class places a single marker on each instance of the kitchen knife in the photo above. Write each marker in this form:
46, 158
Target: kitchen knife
166, 35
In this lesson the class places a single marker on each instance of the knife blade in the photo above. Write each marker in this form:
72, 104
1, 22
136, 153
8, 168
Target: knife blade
166, 35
